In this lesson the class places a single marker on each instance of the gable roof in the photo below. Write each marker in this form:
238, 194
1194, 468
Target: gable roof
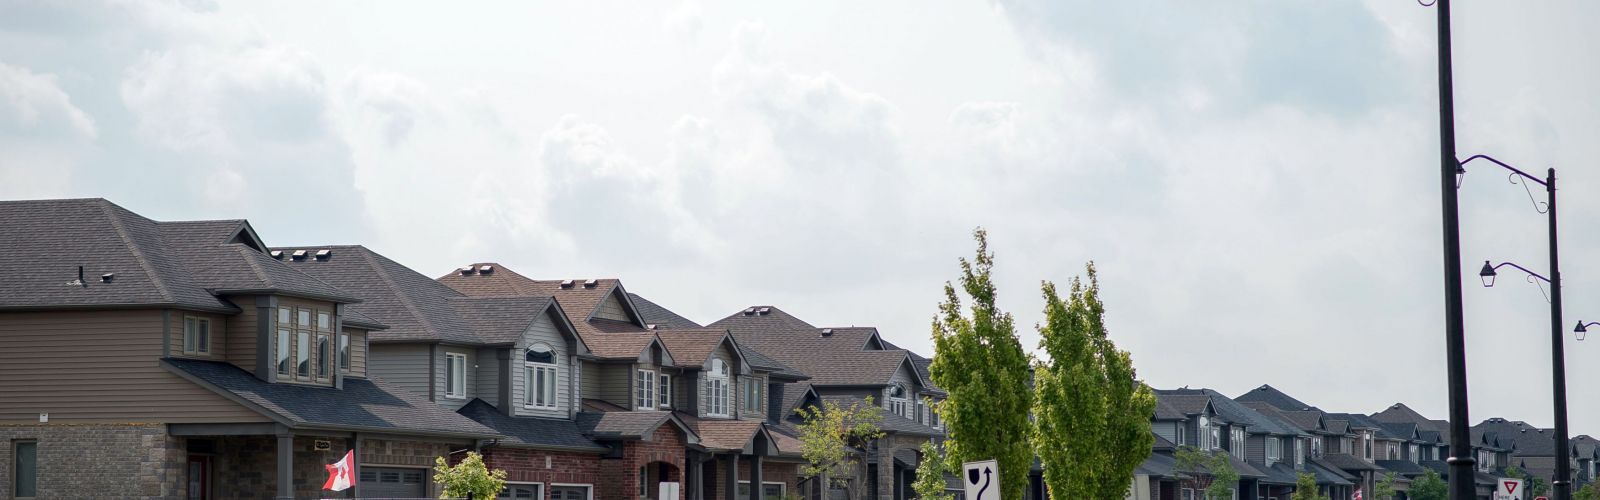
1272, 396
605, 338
177, 264
1187, 404
830, 356
693, 347
662, 317
1234, 412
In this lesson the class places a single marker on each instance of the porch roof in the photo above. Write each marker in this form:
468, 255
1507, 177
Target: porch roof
534, 432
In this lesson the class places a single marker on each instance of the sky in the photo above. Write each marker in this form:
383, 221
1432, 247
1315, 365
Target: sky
1257, 182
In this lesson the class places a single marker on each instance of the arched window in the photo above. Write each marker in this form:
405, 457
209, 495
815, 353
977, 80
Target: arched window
539, 370
717, 389
898, 404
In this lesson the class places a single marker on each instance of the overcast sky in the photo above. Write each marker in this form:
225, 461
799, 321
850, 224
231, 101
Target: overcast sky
1257, 181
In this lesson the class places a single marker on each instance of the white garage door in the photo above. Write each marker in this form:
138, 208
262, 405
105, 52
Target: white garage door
389, 482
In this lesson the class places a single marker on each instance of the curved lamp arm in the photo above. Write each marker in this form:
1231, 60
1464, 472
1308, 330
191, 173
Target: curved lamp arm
1488, 272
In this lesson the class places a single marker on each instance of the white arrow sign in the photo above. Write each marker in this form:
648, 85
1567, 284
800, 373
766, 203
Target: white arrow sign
981, 480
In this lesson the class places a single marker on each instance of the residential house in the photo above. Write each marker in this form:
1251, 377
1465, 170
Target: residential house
850, 365
1273, 453
1192, 420
150, 359
1349, 442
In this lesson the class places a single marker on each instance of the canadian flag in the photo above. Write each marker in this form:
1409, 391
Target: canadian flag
341, 474
1358, 494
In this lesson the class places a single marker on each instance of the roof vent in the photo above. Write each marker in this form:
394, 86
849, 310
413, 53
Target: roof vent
299, 255
485, 269
651, 326
566, 283
465, 271
107, 277
764, 310
827, 332
323, 254
277, 254
749, 311
591, 283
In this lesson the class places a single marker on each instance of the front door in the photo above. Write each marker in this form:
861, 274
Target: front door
199, 482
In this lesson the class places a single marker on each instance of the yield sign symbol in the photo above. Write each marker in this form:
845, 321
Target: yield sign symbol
1511, 486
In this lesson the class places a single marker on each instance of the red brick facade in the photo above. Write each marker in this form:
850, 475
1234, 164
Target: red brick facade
540, 466
619, 477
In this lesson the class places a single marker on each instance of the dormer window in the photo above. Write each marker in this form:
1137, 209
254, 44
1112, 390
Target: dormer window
897, 400
717, 389
539, 371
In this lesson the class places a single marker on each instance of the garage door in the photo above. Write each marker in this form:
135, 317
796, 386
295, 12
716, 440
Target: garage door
389, 482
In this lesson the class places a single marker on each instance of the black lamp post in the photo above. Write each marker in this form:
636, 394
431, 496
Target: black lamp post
1462, 485
1562, 485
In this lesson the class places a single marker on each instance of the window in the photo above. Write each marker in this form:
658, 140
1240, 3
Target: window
1366, 442
25, 456
196, 335
284, 336
769, 491
344, 352
1236, 444
324, 321
539, 370
717, 389
1188, 494
752, 394
1316, 447
455, 376
1299, 453
645, 392
897, 400
665, 398
324, 357
1216, 436
1273, 448
302, 354
1180, 428
1394, 452
569, 491
1413, 449
1200, 433
519, 490
933, 415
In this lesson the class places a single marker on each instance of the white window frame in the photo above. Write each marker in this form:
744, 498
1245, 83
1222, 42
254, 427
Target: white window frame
586, 487
542, 493
751, 402
196, 340
1202, 434
1236, 441
933, 415
531, 391
455, 375
664, 390
1366, 445
1180, 434
1299, 453
1274, 449
344, 352
897, 405
1216, 436
644, 394
717, 389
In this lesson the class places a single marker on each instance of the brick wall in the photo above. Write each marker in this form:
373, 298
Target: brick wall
619, 477
773, 472
539, 466
98, 460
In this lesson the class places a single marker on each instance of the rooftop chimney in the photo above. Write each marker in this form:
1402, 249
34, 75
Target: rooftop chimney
749, 311
764, 310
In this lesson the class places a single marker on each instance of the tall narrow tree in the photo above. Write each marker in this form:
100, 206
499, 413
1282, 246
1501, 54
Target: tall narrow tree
1091, 412
979, 361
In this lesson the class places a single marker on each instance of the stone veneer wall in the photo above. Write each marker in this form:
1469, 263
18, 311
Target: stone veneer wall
886, 449
247, 466
619, 477
99, 460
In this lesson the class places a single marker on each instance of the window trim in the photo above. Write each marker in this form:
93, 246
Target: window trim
1274, 450
302, 355
16, 468
543, 494
664, 390
325, 366
530, 372
717, 380
754, 390
588, 488
344, 352
450, 368
195, 339
645, 391
898, 405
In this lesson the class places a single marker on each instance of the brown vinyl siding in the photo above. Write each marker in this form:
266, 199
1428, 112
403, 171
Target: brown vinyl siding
615, 384
99, 366
241, 334
469, 385
358, 352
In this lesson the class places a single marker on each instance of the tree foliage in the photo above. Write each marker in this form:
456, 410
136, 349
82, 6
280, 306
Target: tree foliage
1091, 413
930, 474
1589, 491
1384, 490
979, 361
1305, 488
1428, 487
470, 477
1211, 473
834, 439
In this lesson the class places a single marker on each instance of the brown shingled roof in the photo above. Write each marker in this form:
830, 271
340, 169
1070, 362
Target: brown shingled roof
605, 338
726, 434
692, 347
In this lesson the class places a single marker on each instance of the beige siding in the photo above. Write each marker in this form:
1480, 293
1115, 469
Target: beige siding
241, 337
615, 381
471, 385
542, 331
219, 341
98, 366
358, 352
403, 365
760, 412
611, 308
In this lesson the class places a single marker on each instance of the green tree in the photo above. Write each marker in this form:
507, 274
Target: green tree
979, 361
834, 440
1091, 412
1384, 490
1210, 473
1589, 491
930, 474
1305, 488
470, 477
1428, 487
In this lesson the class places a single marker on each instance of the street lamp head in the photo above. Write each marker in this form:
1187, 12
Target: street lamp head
1487, 274
1581, 331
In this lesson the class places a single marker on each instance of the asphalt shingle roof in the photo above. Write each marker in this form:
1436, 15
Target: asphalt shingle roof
726, 434
1403, 467
414, 307
530, 431
891, 422
1327, 473
1232, 411
605, 338
1272, 396
1348, 462
830, 356
693, 347
622, 424
362, 404
662, 317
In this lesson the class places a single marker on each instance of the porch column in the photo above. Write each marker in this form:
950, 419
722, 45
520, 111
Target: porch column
285, 465
755, 476
732, 483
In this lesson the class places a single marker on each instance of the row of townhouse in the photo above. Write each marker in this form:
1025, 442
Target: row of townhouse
1272, 438
146, 359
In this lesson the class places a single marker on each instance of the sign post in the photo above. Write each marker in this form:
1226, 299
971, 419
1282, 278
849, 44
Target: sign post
1508, 489
981, 480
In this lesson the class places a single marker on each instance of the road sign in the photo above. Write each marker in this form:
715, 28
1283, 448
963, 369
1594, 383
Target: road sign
1508, 489
981, 479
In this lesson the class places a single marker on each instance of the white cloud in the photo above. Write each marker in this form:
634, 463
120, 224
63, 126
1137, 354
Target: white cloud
34, 104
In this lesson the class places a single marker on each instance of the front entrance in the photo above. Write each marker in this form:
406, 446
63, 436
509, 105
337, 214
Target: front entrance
392, 482
199, 478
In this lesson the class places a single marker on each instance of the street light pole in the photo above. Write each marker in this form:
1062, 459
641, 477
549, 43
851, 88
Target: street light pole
1558, 357
1462, 485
